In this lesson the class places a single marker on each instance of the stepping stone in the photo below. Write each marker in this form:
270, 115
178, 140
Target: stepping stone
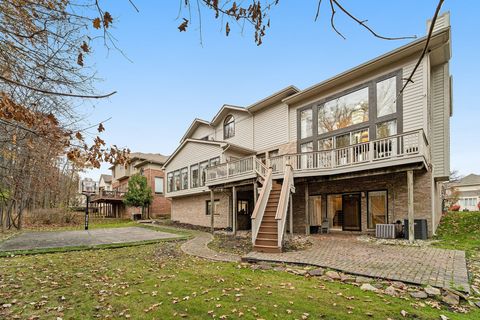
334, 275
451, 298
433, 292
419, 294
361, 279
391, 291
368, 287
316, 272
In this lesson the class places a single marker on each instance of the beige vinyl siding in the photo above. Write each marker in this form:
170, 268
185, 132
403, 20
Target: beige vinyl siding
270, 127
440, 121
243, 130
414, 99
292, 124
193, 152
441, 22
202, 131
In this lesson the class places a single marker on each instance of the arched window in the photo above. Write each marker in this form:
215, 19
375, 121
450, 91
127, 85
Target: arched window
229, 127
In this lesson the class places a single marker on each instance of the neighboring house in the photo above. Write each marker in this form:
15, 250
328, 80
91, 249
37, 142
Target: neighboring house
352, 148
467, 190
147, 164
105, 182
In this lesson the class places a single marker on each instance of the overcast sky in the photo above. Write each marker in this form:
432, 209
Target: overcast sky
172, 79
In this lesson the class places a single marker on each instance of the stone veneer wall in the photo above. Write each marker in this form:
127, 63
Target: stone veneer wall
394, 183
192, 209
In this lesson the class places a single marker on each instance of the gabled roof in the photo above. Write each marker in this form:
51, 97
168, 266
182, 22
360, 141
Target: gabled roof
149, 157
224, 111
180, 147
221, 144
193, 126
437, 42
471, 179
273, 98
107, 178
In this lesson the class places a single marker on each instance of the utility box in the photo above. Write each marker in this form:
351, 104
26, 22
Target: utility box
420, 229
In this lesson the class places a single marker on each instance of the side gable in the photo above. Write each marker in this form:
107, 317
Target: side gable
198, 130
193, 151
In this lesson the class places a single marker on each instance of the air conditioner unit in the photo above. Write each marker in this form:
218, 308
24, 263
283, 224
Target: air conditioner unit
385, 231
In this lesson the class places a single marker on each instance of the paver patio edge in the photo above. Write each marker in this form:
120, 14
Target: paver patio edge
198, 247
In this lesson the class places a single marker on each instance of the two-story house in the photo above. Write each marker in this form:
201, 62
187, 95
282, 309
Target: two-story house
105, 182
467, 190
350, 152
147, 164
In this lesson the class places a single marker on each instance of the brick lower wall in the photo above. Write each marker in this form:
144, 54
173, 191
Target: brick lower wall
394, 183
191, 210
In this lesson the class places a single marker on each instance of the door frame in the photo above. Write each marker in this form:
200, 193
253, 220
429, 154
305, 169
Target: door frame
359, 194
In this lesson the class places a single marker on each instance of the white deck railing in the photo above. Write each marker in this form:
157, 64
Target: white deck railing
282, 209
394, 147
237, 168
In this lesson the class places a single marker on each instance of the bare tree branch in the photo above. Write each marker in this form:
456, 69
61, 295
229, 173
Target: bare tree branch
425, 48
72, 95
362, 23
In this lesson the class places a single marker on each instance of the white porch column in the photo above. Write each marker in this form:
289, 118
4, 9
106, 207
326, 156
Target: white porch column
411, 219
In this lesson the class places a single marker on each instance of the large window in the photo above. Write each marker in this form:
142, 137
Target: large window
386, 129
159, 185
229, 127
203, 172
208, 207
184, 177
194, 176
306, 159
377, 208
386, 97
306, 121
177, 182
359, 115
344, 111
215, 161
170, 183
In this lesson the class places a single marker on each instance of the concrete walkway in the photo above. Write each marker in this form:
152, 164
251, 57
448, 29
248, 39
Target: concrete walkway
198, 247
416, 265
59, 239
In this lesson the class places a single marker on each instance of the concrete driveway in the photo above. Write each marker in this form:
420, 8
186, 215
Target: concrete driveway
59, 239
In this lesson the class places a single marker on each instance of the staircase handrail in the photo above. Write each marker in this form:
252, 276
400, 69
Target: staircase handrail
260, 206
281, 214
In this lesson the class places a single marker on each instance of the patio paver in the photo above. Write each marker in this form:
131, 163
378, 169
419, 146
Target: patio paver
58, 239
416, 265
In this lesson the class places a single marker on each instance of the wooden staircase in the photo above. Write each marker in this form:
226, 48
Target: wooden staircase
267, 239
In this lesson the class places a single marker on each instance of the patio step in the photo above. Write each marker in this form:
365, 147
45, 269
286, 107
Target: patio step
267, 249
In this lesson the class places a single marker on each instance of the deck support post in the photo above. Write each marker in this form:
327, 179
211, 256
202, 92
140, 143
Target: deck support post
234, 210
411, 220
255, 193
290, 227
212, 210
307, 222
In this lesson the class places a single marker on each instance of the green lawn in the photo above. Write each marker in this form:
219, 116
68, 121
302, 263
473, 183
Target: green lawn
157, 281
461, 231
